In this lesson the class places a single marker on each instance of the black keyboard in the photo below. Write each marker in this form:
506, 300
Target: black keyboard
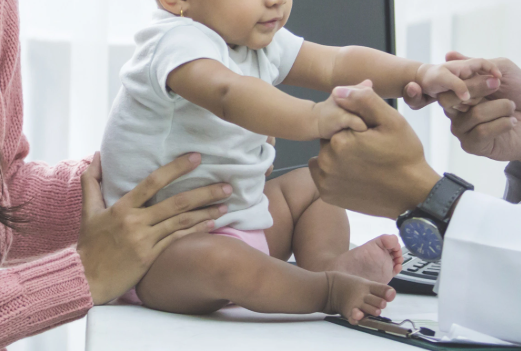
417, 276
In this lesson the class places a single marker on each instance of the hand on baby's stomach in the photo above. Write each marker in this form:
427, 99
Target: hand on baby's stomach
437, 79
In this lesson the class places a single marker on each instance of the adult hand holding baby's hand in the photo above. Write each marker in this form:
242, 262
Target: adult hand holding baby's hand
491, 128
450, 76
331, 118
118, 245
509, 86
380, 172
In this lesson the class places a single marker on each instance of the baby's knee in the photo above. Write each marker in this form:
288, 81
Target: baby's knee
298, 188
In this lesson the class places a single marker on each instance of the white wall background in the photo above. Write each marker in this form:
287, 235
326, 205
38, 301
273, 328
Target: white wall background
73, 49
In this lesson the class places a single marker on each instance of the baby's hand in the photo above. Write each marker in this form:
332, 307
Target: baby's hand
332, 119
437, 79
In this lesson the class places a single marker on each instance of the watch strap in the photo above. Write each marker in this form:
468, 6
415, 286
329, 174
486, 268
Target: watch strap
443, 196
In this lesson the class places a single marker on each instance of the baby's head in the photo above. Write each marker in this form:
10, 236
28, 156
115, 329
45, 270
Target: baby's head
251, 23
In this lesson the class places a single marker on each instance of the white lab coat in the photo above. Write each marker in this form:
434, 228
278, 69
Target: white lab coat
480, 283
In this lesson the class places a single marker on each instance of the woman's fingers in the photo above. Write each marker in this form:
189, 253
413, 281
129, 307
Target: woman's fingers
189, 220
160, 178
90, 186
187, 201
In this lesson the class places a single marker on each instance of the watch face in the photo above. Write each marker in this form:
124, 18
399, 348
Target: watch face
422, 238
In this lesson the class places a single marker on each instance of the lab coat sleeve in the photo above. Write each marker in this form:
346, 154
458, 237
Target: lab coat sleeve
480, 285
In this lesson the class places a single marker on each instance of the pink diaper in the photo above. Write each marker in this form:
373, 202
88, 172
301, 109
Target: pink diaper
254, 238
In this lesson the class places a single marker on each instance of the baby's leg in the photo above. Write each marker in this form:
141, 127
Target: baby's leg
318, 233
314, 231
201, 273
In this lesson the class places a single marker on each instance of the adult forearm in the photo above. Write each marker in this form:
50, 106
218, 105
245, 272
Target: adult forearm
51, 204
390, 74
41, 295
262, 108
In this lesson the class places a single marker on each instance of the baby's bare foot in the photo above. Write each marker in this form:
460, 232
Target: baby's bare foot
378, 260
354, 297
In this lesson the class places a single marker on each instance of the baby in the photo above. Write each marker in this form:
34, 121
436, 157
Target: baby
202, 80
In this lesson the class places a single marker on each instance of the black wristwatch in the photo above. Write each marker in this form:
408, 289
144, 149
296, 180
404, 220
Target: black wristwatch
422, 229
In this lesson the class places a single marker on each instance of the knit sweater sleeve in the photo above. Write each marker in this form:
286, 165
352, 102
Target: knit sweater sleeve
41, 295
51, 202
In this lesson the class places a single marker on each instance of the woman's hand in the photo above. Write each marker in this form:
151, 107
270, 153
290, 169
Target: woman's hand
118, 245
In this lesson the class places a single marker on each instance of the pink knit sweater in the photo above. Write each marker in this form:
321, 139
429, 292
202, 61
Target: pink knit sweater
45, 285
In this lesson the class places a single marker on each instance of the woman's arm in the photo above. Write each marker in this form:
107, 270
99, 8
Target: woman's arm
41, 295
116, 247
51, 199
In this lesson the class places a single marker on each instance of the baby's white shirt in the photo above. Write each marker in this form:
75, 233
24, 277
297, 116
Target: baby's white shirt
149, 126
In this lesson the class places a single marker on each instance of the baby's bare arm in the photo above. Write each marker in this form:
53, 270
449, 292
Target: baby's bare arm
246, 101
325, 67
258, 106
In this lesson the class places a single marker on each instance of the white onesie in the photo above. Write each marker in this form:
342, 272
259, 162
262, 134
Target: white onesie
150, 126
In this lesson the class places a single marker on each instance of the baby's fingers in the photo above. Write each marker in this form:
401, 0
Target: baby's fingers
473, 66
452, 82
351, 121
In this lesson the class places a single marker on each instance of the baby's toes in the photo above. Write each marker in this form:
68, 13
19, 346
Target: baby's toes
397, 268
370, 309
356, 316
375, 301
396, 252
391, 243
398, 258
384, 291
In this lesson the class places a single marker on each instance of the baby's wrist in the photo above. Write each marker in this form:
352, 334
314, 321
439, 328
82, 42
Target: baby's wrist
314, 122
421, 73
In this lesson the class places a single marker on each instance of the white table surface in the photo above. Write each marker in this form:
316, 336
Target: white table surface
129, 328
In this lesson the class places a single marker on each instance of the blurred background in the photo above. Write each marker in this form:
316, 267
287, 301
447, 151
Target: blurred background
72, 52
